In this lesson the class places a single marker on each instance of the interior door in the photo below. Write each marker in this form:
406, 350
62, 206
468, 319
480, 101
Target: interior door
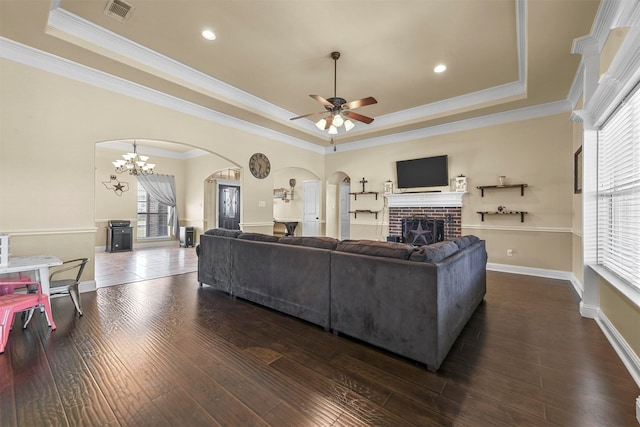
311, 208
345, 206
229, 207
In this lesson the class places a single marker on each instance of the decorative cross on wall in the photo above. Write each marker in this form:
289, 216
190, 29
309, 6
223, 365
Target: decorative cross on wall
363, 182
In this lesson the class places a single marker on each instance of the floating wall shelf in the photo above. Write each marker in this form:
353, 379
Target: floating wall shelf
361, 211
355, 195
500, 187
521, 213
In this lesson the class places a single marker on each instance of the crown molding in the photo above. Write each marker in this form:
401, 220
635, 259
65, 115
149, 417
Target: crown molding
67, 24
618, 81
158, 64
611, 14
38, 59
526, 113
26, 55
151, 151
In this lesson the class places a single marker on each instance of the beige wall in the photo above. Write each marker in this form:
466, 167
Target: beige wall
50, 125
537, 152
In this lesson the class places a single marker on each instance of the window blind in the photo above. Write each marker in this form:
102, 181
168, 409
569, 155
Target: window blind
619, 192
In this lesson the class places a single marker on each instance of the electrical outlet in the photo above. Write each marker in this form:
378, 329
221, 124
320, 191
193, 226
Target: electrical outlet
509, 252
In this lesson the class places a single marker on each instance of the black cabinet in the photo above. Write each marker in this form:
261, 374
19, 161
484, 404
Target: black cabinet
119, 239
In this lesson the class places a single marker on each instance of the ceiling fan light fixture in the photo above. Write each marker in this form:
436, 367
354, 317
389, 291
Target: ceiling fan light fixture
321, 124
348, 125
338, 112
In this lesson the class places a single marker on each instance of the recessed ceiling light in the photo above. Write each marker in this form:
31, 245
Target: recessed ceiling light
209, 35
439, 68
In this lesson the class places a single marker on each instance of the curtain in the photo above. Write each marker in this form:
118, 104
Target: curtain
163, 189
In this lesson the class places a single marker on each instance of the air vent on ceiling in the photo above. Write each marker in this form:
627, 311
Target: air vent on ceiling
118, 9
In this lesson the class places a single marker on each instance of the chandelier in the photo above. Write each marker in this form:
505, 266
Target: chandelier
134, 164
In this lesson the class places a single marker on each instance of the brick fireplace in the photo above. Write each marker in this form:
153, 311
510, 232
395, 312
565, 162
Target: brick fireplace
444, 206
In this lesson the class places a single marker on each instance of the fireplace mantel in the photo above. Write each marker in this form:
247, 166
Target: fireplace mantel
439, 199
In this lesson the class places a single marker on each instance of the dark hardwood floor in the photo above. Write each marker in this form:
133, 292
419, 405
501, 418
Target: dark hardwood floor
166, 352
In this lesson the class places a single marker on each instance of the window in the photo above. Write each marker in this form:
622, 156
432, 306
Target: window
152, 216
619, 192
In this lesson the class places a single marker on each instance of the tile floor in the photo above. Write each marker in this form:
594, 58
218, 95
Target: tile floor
145, 263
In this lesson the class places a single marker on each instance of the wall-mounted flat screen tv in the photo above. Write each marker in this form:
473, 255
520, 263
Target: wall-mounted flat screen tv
425, 172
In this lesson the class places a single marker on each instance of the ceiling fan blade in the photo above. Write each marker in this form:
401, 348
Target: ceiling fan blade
307, 115
322, 100
360, 103
329, 122
358, 117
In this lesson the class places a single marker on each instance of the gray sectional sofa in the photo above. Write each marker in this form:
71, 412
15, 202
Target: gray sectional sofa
412, 301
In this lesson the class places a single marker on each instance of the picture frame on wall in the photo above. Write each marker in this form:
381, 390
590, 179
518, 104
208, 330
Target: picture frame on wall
577, 171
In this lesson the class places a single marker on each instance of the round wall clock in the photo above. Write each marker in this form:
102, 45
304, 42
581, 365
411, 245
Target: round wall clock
259, 165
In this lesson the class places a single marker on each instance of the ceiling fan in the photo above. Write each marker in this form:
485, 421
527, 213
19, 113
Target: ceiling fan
340, 111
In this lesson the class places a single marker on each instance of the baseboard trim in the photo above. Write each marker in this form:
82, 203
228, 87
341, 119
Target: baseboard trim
589, 311
638, 409
530, 271
539, 272
625, 352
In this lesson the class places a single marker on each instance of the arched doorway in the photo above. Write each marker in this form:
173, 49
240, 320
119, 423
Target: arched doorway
222, 207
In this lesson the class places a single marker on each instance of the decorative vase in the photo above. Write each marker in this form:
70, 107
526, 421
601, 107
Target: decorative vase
501, 179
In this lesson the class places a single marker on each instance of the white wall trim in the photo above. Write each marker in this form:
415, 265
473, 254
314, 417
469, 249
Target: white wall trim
620, 345
26, 55
38, 59
156, 152
577, 285
73, 28
91, 230
66, 22
438, 199
527, 229
530, 271
526, 113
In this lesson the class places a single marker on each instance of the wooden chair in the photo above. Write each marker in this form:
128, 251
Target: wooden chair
68, 286
12, 303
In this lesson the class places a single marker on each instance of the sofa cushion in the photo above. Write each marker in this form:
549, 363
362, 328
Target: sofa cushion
466, 241
462, 242
223, 232
259, 237
472, 239
376, 248
435, 252
313, 242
